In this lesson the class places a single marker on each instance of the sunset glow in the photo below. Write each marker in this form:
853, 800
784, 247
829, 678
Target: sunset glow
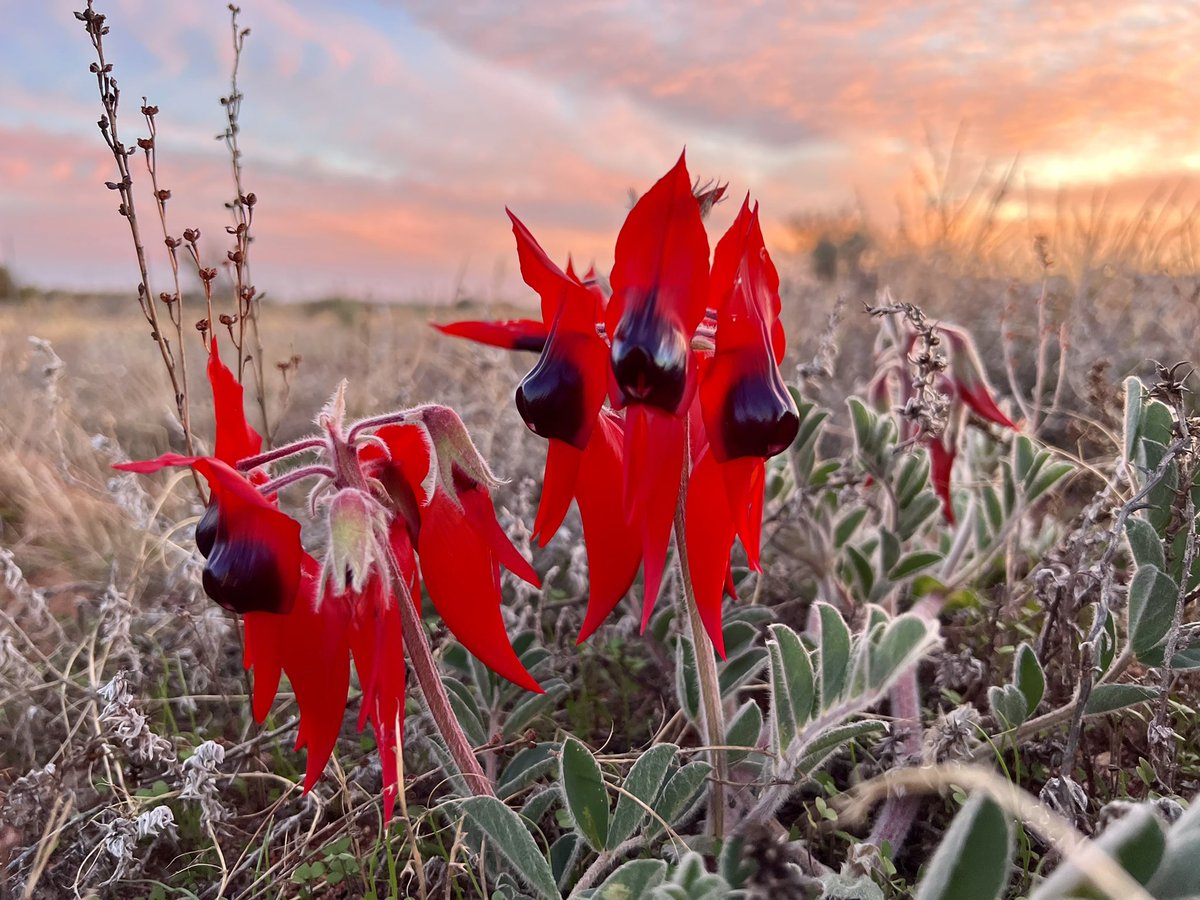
384, 140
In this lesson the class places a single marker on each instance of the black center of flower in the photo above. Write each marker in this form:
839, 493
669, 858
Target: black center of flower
206, 528
551, 397
759, 417
650, 357
242, 576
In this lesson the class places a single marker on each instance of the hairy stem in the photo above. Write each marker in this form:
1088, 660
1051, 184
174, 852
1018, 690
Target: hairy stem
430, 682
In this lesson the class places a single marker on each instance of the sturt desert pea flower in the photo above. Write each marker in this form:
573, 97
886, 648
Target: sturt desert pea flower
393, 490
749, 415
650, 343
959, 386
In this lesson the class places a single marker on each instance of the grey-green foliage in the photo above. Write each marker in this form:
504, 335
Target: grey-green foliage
973, 858
1156, 540
818, 685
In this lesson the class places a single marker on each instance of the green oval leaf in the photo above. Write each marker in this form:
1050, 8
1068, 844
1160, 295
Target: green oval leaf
644, 781
973, 858
507, 834
584, 793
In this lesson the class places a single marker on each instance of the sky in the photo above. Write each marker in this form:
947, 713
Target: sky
385, 139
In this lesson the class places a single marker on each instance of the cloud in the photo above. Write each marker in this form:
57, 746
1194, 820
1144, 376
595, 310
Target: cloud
385, 139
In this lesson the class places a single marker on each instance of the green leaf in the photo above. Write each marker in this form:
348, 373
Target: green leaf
847, 525
1152, 598
1024, 455
889, 549
539, 803
1047, 478
644, 781
863, 423
798, 669
861, 567
917, 513
584, 792
831, 740
1136, 841
902, 642
633, 880
835, 653
533, 706
740, 669
1178, 877
1134, 400
1009, 706
913, 478
1029, 677
466, 709
973, 858
1145, 544
914, 562
564, 854
507, 834
744, 730
527, 766
782, 717
687, 679
678, 795
1106, 698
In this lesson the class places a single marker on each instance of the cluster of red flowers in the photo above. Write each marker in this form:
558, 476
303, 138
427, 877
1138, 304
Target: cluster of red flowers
687, 357
960, 380
394, 490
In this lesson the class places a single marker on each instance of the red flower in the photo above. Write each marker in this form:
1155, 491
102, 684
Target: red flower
648, 347
404, 487
966, 387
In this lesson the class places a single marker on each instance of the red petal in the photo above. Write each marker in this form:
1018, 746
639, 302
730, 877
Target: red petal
462, 579
661, 255
262, 653
558, 485
941, 462
560, 293
235, 438
614, 550
660, 290
655, 444
477, 506
748, 410
710, 531
978, 397
377, 644
317, 662
744, 483
254, 561
511, 334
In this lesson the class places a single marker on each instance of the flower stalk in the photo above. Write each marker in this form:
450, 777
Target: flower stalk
432, 689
